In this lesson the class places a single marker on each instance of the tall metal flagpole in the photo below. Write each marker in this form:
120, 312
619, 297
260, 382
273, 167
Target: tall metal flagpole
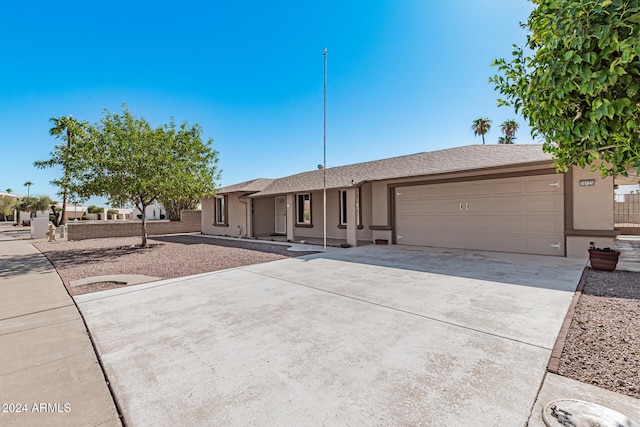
324, 164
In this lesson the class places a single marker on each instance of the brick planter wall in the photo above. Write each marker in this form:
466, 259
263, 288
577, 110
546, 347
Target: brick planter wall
189, 223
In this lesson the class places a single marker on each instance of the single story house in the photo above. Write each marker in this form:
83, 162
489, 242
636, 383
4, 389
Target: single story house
506, 198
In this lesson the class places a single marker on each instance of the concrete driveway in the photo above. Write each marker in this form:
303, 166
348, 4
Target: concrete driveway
364, 336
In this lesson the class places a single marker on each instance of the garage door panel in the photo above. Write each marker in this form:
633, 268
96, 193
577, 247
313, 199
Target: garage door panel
551, 204
415, 207
507, 187
510, 205
451, 223
549, 224
452, 190
482, 188
544, 245
451, 240
415, 237
510, 223
479, 206
510, 242
451, 206
546, 184
522, 214
418, 192
417, 222
479, 241
477, 223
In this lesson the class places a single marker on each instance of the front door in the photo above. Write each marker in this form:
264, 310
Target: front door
281, 215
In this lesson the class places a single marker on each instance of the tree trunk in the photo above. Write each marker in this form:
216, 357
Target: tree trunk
144, 226
66, 181
64, 207
56, 222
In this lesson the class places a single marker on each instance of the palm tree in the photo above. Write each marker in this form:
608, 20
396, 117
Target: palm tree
509, 128
506, 140
480, 127
9, 190
28, 184
71, 127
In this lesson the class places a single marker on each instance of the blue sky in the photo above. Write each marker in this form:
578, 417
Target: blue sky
404, 76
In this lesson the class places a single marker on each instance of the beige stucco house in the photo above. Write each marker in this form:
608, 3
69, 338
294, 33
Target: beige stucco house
505, 198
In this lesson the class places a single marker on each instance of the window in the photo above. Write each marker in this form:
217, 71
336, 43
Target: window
343, 208
221, 210
303, 206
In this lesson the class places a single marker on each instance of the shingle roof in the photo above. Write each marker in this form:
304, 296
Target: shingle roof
436, 162
254, 185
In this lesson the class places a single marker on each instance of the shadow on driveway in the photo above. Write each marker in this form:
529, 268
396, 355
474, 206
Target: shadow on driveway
540, 271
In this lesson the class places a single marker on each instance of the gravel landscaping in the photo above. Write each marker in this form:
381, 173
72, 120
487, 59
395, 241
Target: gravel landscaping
165, 257
603, 344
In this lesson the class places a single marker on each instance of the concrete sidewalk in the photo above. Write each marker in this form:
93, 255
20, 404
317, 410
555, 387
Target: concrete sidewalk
49, 373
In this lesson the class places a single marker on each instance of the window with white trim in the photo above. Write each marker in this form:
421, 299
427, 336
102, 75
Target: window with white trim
343, 207
221, 210
303, 209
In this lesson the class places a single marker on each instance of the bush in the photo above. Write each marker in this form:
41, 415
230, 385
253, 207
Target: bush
85, 217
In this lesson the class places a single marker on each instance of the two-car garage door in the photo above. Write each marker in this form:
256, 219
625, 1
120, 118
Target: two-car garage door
521, 214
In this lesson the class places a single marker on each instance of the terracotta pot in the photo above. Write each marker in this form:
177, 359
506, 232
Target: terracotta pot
603, 260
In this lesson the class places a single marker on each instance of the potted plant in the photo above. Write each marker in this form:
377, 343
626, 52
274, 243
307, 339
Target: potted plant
605, 259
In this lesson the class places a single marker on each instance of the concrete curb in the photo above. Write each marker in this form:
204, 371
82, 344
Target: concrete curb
556, 353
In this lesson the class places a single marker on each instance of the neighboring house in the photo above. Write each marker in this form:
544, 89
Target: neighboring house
153, 211
123, 213
73, 211
505, 198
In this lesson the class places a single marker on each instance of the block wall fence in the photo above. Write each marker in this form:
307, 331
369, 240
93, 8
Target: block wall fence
189, 223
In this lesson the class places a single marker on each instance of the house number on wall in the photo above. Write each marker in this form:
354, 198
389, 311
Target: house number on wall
587, 182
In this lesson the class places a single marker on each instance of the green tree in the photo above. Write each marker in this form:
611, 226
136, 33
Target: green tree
28, 184
35, 204
126, 160
578, 84
95, 210
69, 130
480, 127
9, 190
509, 128
173, 207
506, 140
7, 205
